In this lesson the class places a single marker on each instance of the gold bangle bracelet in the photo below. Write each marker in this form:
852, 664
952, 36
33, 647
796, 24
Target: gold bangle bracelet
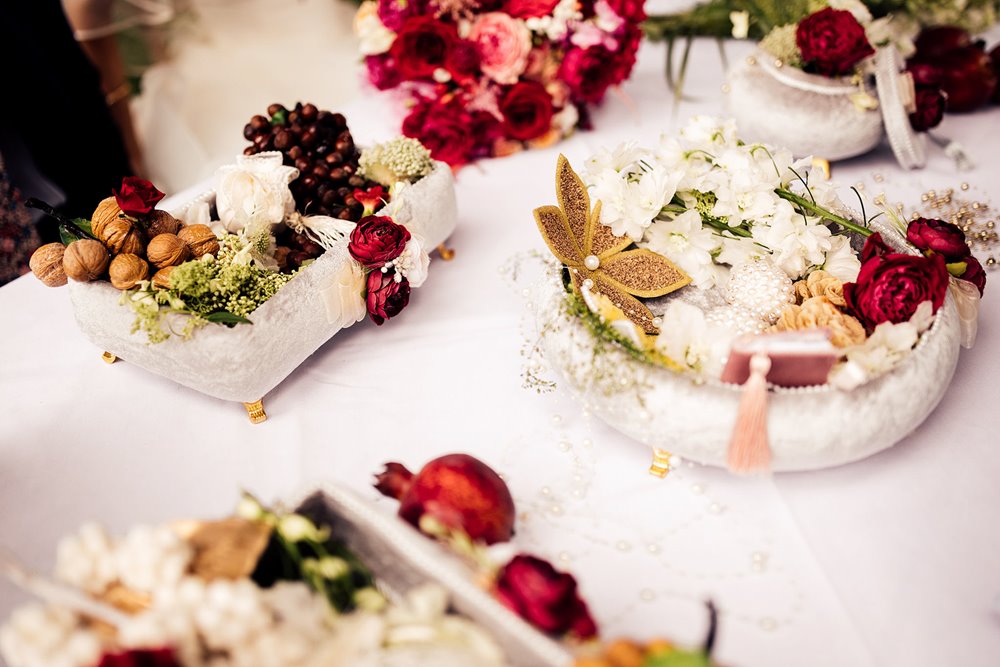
118, 94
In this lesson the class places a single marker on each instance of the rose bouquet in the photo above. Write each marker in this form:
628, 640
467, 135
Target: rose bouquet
488, 79
722, 261
298, 242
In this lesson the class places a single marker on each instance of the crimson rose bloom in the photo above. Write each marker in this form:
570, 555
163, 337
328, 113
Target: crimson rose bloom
930, 104
587, 73
158, 657
385, 297
832, 42
393, 13
376, 240
422, 46
137, 196
452, 133
382, 71
527, 110
890, 285
974, 273
630, 10
544, 597
938, 236
526, 9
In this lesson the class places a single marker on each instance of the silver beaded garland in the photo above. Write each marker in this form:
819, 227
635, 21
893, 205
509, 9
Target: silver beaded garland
761, 288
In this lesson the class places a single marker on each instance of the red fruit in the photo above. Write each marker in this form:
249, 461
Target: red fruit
459, 491
968, 78
939, 40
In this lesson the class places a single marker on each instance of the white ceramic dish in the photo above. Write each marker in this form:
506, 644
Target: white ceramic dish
403, 558
245, 362
809, 428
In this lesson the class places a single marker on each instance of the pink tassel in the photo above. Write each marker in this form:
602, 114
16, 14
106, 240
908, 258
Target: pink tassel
749, 450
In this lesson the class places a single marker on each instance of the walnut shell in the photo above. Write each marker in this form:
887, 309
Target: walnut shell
47, 264
161, 279
127, 269
161, 222
106, 211
122, 237
201, 240
85, 260
167, 250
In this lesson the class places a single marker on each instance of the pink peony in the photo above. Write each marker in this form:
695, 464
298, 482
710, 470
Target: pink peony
503, 44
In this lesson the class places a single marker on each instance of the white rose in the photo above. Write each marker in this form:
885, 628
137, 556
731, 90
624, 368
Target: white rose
375, 38
344, 298
255, 189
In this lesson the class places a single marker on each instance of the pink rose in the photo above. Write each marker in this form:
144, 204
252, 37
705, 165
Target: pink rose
503, 44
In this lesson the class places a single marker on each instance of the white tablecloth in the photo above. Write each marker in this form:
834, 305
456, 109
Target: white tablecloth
890, 561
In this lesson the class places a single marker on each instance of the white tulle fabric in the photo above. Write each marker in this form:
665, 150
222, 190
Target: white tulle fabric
247, 361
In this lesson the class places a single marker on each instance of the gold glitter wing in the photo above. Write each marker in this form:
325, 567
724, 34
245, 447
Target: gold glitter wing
575, 235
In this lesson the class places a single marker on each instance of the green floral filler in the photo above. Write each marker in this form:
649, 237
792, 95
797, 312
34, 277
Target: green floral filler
210, 289
400, 159
781, 44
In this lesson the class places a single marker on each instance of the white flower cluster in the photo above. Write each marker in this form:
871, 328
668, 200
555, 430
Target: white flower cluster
705, 200
888, 345
234, 623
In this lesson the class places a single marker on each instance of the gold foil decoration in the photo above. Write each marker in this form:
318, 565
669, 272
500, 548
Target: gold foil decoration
595, 256
226, 549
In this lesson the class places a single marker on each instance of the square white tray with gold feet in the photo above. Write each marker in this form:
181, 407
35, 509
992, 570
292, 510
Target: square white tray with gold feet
245, 362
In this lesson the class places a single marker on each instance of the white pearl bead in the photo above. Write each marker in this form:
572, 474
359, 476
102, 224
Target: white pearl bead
592, 262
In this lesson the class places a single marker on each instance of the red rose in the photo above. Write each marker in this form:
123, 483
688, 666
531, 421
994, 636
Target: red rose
967, 78
422, 46
930, 103
995, 59
938, 40
394, 13
382, 71
974, 273
450, 132
137, 196
527, 111
527, 9
159, 657
544, 597
630, 10
587, 72
376, 240
890, 286
832, 42
938, 236
385, 298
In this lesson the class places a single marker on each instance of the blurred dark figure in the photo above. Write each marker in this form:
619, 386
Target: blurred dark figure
57, 134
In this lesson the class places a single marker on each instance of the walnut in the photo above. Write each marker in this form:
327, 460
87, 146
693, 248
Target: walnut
47, 264
85, 260
106, 211
127, 269
819, 312
201, 240
167, 250
122, 237
820, 283
161, 222
161, 279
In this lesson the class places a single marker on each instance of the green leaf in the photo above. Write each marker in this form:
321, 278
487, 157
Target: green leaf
85, 225
678, 659
66, 236
279, 118
225, 317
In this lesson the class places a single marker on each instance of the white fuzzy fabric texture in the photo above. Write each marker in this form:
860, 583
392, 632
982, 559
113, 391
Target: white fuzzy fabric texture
246, 362
809, 428
805, 122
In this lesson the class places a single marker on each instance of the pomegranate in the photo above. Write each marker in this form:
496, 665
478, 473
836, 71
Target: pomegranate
458, 491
